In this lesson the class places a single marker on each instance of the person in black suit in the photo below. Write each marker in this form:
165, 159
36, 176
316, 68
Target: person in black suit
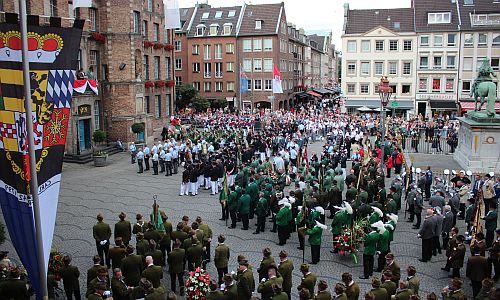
426, 233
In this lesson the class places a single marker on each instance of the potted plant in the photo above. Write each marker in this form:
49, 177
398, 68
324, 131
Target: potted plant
138, 129
99, 155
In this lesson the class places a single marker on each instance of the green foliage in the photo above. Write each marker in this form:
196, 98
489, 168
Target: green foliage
138, 128
220, 103
186, 94
200, 104
99, 136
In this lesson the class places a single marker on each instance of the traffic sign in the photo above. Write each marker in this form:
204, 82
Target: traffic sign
394, 104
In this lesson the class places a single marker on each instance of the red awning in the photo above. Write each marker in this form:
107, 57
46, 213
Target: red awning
314, 94
468, 105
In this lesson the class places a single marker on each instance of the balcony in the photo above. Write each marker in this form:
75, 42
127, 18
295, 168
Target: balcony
207, 75
485, 20
218, 74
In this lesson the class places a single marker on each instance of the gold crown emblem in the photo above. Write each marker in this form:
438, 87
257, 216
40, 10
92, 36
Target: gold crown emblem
42, 48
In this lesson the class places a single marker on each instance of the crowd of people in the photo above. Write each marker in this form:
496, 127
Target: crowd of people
260, 168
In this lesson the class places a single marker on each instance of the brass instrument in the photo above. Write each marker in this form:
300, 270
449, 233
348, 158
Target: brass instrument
476, 219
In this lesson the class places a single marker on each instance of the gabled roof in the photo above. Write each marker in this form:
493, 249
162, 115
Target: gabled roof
318, 40
269, 14
363, 20
424, 7
185, 17
208, 16
479, 7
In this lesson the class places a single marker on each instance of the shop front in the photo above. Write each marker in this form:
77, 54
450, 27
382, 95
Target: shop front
397, 107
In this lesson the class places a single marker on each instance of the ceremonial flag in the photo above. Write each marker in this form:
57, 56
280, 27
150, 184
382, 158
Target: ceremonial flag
52, 55
172, 14
225, 191
277, 88
243, 81
156, 217
82, 3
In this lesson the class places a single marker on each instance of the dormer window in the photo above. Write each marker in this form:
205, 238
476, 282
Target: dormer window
228, 27
200, 30
214, 28
218, 14
439, 18
258, 24
231, 14
205, 15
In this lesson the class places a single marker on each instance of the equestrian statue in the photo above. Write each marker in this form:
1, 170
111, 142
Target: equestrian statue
485, 88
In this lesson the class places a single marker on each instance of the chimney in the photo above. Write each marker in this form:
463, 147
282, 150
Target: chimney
346, 15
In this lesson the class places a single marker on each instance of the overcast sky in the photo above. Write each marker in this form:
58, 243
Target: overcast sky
313, 15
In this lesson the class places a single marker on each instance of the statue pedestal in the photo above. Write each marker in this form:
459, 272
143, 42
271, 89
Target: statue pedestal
478, 147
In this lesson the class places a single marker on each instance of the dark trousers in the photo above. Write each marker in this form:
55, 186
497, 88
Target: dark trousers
436, 247
476, 287
244, 220
301, 239
261, 223
455, 273
368, 261
206, 253
411, 210
446, 238
220, 274
419, 219
427, 249
381, 261
139, 163
496, 267
315, 253
225, 212
69, 294
165, 250
462, 211
427, 190
146, 163
388, 172
232, 214
487, 203
180, 278
397, 169
103, 250
168, 167
282, 234
175, 164
132, 157
155, 167
490, 235
162, 165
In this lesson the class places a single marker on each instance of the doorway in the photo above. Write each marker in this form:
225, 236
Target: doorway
421, 108
84, 134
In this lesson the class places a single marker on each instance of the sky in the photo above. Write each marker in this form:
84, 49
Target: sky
315, 16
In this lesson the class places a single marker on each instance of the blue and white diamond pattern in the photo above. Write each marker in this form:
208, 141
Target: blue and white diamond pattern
60, 87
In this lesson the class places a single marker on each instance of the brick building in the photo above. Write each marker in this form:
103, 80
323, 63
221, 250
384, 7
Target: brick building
114, 52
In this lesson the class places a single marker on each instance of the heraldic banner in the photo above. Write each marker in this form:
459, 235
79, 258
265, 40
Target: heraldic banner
53, 53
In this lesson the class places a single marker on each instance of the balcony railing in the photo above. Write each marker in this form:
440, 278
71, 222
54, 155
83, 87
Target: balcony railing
218, 74
207, 74
485, 20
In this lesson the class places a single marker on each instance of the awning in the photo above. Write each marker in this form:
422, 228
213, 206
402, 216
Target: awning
402, 104
314, 94
301, 95
468, 105
322, 91
443, 105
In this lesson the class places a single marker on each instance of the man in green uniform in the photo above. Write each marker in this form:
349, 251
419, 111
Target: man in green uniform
230, 288
265, 287
379, 292
244, 208
118, 286
132, 267
194, 254
352, 288
323, 293
102, 278
266, 262
142, 245
152, 273
102, 233
278, 292
261, 212
308, 280
369, 251
388, 284
285, 268
70, 275
221, 258
454, 291
117, 253
246, 282
382, 247
123, 229
176, 266
207, 237
215, 293
282, 221
404, 291
315, 241
92, 271
232, 202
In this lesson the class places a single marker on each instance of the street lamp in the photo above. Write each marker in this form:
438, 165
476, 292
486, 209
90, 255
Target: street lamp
385, 92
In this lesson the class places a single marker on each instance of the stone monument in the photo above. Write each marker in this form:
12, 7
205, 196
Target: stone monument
479, 135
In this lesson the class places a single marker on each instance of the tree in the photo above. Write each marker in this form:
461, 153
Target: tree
186, 93
137, 128
99, 136
219, 103
200, 104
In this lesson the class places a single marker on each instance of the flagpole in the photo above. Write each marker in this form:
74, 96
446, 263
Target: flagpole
33, 187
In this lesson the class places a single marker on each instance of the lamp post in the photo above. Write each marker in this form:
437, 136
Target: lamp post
385, 92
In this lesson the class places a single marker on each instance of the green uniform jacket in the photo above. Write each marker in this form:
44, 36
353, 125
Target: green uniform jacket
69, 276
119, 288
282, 217
221, 257
396, 272
194, 255
456, 295
132, 268
266, 288
92, 284
179, 235
315, 235
208, 234
176, 261
340, 182
404, 294
92, 272
154, 274
341, 297
117, 254
101, 231
261, 207
323, 295
380, 293
383, 242
352, 291
157, 256
391, 231
391, 207
215, 295
231, 292
253, 191
308, 282
490, 220
264, 266
414, 284
351, 194
244, 204
142, 247
158, 294
232, 201
246, 285
285, 269
374, 218
281, 296
371, 243
123, 229
468, 213
166, 238
339, 219
390, 287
